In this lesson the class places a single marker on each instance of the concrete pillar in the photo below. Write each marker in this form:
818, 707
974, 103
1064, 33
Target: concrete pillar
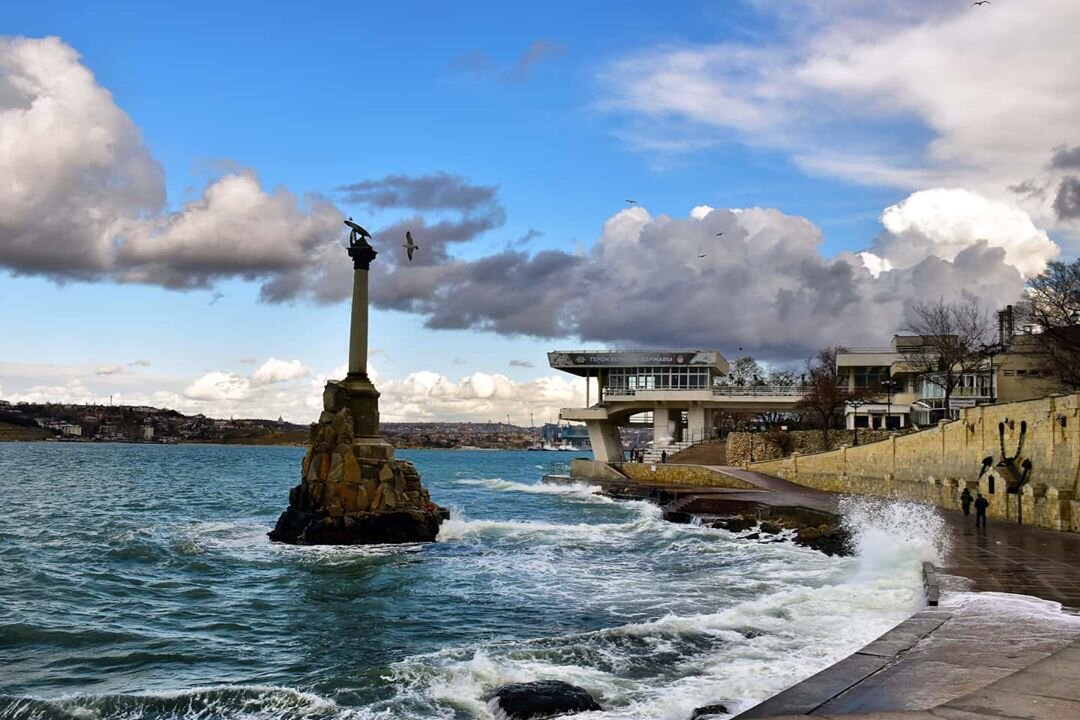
695, 420
661, 427
605, 440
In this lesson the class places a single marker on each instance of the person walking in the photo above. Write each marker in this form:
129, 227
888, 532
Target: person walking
981, 504
663, 456
965, 502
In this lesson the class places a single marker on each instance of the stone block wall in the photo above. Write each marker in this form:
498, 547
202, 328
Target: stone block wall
803, 441
934, 465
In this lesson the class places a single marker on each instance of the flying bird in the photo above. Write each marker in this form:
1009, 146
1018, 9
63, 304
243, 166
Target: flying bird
410, 246
632, 202
357, 229
980, 2
719, 234
701, 255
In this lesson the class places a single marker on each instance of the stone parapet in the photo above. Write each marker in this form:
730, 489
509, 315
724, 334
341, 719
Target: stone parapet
936, 464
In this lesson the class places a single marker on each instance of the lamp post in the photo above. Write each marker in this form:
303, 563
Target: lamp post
855, 405
889, 385
991, 350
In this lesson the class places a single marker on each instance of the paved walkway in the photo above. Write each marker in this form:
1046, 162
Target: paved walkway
946, 664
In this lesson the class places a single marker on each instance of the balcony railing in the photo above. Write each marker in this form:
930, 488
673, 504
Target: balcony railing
719, 390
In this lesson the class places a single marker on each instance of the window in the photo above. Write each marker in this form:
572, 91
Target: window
870, 376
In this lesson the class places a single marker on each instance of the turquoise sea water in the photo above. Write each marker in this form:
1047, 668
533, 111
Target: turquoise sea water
137, 581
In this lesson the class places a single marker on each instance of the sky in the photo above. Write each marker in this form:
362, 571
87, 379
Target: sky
173, 180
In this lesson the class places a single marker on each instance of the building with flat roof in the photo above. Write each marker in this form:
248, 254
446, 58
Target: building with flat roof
676, 391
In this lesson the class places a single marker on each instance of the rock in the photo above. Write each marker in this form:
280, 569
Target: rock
708, 711
312, 473
363, 502
543, 699
809, 534
377, 499
319, 528
324, 467
752, 536
389, 499
386, 473
350, 469
336, 470
770, 528
735, 524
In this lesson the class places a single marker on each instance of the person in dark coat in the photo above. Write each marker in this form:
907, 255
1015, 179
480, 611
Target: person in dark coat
981, 504
663, 456
965, 501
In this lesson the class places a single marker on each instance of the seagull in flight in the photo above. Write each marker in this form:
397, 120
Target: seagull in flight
701, 255
632, 202
410, 246
980, 2
719, 234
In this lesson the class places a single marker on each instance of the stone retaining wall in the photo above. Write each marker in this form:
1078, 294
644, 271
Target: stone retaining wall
656, 474
803, 441
936, 464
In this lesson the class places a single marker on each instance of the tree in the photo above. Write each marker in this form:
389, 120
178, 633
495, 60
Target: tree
744, 372
827, 391
951, 341
1052, 306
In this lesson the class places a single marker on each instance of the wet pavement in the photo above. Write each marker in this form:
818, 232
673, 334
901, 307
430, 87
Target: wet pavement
957, 662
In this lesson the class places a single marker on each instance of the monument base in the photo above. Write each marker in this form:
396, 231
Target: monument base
352, 491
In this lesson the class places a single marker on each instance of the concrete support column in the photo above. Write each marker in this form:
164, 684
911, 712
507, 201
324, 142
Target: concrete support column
695, 421
605, 440
661, 427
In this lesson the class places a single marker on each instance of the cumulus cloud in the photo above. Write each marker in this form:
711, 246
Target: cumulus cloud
763, 284
943, 222
275, 371
910, 94
86, 198
296, 396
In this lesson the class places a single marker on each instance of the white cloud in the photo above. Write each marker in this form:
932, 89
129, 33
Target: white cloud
276, 371
992, 90
419, 396
943, 222
85, 198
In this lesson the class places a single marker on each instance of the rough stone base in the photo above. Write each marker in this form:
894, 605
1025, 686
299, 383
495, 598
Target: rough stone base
352, 491
300, 527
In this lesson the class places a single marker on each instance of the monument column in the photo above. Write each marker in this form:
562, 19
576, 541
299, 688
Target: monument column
363, 398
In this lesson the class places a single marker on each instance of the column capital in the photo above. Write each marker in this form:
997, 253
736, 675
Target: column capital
362, 254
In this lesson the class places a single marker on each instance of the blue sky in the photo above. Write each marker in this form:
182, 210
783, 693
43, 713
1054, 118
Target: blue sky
312, 97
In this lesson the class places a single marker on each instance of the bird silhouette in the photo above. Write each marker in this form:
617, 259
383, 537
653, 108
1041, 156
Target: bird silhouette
359, 230
701, 255
410, 246
719, 234
632, 202
980, 2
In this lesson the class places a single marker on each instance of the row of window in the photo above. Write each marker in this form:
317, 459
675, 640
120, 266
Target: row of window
659, 378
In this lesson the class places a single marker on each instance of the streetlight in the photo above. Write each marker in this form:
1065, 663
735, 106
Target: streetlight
855, 405
889, 386
991, 350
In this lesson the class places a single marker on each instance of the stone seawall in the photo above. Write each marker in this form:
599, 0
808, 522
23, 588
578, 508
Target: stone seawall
655, 474
739, 444
935, 465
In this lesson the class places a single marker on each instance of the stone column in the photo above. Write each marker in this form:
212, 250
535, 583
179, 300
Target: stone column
363, 398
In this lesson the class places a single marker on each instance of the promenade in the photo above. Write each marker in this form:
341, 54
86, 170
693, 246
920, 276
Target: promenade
961, 661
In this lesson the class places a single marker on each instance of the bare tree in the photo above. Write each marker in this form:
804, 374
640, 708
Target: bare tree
827, 391
1052, 306
744, 372
950, 341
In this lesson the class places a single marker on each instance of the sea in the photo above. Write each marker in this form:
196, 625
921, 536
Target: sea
136, 581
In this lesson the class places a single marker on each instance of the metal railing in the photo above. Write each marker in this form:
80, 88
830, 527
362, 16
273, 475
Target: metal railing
720, 390
760, 390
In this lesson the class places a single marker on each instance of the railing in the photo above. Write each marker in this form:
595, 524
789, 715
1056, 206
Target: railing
721, 390
760, 390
